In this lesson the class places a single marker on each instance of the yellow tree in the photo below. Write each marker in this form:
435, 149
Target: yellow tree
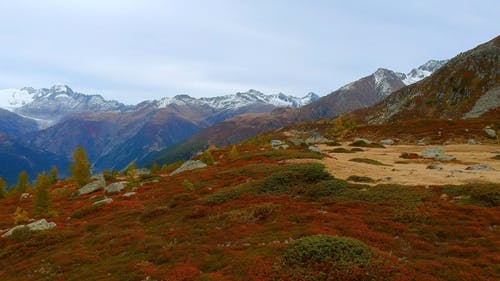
23, 182
80, 169
42, 196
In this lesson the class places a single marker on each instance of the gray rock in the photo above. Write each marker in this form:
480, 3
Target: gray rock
489, 100
142, 172
435, 167
297, 142
277, 144
25, 196
315, 149
362, 140
97, 177
432, 152
387, 142
445, 158
91, 187
116, 187
189, 165
480, 167
316, 138
472, 142
34, 226
492, 134
129, 194
421, 142
103, 202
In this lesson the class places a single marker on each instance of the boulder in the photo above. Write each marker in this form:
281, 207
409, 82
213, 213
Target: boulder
492, 134
116, 187
297, 142
34, 226
472, 142
277, 144
142, 172
480, 167
189, 165
435, 167
129, 194
316, 138
91, 187
387, 142
432, 152
102, 202
445, 158
315, 149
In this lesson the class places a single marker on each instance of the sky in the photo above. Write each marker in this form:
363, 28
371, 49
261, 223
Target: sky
146, 49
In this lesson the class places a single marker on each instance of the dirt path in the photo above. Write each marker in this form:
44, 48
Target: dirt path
415, 172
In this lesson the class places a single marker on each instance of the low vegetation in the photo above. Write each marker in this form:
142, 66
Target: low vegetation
368, 161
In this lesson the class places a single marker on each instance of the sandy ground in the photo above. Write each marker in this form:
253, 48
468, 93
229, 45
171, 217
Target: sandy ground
415, 172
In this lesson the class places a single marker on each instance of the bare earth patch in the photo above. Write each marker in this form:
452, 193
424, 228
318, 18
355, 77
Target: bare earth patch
414, 171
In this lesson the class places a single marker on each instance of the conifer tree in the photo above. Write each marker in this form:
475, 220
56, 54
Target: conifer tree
42, 196
80, 169
207, 158
23, 182
155, 168
233, 154
131, 174
54, 174
3, 185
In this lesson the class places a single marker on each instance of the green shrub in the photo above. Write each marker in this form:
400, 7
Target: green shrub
339, 251
292, 176
356, 149
228, 194
368, 161
496, 157
279, 155
487, 194
340, 150
360, 143
387, 194
85, 211
332, 187
21, 233
333, 143
360, 179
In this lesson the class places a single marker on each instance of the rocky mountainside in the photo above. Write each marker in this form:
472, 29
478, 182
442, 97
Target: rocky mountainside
16, 125
467, 86
421, 72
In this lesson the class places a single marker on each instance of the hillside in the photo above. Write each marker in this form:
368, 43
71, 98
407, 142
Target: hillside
467, 86
244, 217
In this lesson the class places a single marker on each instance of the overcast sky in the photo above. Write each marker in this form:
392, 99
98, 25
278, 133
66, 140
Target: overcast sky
136, 50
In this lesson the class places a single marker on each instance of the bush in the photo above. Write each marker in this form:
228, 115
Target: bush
361, 143
227, 194
340, 150
339, 251
294, 176
360, 179
496, 157
332, 187
368, 161
487, 194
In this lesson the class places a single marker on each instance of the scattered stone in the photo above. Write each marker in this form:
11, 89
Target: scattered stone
445, 158
297, 142
142, 172
315, 149
421, 142
444, 196
435, 167
316, 138
492, 134
25, 196
432, 152
189, 165
34, 226
116, 187
387, 142
277, 144
91, 187
389, 179
472, 142
104, 201
129, 194
480, 167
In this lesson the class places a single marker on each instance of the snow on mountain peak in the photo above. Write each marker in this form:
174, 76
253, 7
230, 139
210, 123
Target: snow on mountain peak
422, 71
11, 99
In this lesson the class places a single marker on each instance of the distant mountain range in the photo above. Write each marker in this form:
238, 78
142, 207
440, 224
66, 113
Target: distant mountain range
57, 119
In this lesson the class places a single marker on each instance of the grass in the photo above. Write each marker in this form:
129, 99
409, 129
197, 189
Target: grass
360, 179
368, 161
279, 155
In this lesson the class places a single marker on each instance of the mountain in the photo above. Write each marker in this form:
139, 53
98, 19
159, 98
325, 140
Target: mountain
467, 86
421, 72
16, 157
361, 93
48, 106
115, 138
16, 125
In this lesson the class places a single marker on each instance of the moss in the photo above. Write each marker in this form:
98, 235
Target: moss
368, 161
339, 251
360, 179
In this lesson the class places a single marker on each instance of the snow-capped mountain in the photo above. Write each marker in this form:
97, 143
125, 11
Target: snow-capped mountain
421, 72
239, 100
49, 105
